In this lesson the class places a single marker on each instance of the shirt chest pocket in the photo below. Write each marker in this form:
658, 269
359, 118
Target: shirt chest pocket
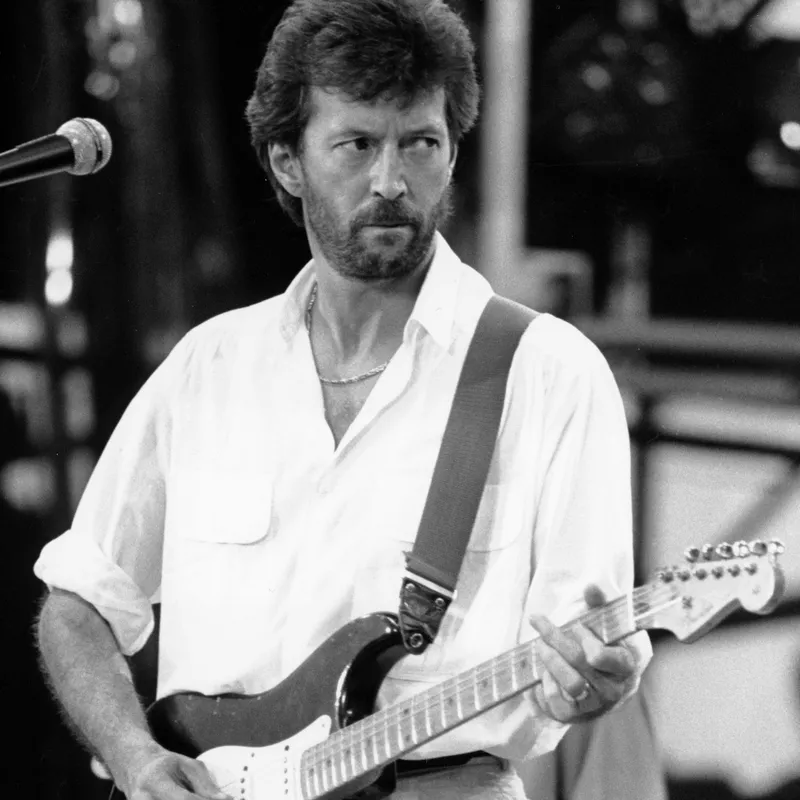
226, 507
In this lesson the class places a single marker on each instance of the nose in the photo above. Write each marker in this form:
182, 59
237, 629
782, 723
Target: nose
387, 177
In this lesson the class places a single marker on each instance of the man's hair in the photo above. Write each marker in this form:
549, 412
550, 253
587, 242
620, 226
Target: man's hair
367, 49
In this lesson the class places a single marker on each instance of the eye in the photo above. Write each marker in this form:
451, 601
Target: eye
424, 143
359, 145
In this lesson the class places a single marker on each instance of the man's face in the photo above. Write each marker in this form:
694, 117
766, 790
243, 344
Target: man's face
376, 182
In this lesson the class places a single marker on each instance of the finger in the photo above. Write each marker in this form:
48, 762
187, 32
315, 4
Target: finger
559, 639
566, 675
614, 660
199, 780
551, 700
594, 596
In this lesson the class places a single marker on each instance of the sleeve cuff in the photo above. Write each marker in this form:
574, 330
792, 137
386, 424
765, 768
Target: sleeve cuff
73, 564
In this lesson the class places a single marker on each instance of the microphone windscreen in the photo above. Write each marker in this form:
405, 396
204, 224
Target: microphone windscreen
91, 144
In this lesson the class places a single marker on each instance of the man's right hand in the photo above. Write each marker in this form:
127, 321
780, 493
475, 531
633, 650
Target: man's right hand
169, 776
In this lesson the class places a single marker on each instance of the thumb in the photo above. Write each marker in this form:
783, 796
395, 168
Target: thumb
594, 596
202, 782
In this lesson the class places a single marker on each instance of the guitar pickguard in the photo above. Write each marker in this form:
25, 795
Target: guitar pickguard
265, 773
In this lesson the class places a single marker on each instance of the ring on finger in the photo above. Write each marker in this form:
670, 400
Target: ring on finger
584, 693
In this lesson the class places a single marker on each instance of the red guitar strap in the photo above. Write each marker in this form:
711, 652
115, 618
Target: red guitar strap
432, 567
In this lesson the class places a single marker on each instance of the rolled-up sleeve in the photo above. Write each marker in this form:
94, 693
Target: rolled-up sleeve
111, 556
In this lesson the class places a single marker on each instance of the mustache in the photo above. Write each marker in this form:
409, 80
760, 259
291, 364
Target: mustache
387, 213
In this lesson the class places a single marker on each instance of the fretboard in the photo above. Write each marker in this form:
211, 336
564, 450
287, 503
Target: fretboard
390, 733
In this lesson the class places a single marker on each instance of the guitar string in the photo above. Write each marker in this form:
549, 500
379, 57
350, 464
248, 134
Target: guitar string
351, 747
322, 752
485, 670
361, 733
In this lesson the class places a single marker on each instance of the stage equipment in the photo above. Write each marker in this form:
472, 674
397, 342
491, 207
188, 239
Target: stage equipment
616, 91
79, 147
774, 157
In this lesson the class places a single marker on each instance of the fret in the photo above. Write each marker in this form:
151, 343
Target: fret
371, 743
399, 737
451, 704
331, 763
317, 786
412, 722
310, 778
350, 755
427, 717
493, 671
514, 678
602, 625
387, 744
324, 775
406, 728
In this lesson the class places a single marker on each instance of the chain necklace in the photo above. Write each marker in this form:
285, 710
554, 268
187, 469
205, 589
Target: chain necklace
339, 381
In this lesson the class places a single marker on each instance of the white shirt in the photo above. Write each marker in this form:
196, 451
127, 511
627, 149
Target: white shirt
221, 494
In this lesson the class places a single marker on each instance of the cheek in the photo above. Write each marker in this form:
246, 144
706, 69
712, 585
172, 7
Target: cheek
433, 189
339, 194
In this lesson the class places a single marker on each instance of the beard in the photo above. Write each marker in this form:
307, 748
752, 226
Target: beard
347, 248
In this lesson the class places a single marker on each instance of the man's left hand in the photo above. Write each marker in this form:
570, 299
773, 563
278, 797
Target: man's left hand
583, 677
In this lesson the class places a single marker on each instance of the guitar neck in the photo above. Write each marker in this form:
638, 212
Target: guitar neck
386, 735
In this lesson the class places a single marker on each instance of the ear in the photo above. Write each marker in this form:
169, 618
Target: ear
286, 165
453, 157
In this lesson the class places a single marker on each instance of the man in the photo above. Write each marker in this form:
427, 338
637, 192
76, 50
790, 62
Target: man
266, 480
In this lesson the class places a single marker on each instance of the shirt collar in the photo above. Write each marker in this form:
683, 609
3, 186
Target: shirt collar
434, 310
295, 302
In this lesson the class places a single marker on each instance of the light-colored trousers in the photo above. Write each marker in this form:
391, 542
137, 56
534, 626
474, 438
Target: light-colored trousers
480, 780
615, 757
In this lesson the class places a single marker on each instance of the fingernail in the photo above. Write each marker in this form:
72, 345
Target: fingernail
542, 624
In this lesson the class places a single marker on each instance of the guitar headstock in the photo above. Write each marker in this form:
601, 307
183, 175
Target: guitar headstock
714, 581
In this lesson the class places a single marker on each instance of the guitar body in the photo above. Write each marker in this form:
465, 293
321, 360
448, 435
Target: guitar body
336, 686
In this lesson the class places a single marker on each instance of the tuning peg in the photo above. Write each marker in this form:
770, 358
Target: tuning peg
775, 547
741, 549
725, 550
708, 552
692, 554
758, 547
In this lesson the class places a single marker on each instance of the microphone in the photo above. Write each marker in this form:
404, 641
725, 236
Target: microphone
79, 147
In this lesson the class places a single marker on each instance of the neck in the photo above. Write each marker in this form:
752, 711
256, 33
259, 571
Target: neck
357, 319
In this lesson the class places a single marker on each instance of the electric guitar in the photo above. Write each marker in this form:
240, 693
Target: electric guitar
317, 735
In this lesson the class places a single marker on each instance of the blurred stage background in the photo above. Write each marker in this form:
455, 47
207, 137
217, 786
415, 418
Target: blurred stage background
636, 170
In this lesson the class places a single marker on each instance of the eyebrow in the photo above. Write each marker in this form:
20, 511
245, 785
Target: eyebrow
429, 129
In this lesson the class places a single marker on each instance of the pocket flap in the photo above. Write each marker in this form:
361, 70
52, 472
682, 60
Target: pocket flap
229, 506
